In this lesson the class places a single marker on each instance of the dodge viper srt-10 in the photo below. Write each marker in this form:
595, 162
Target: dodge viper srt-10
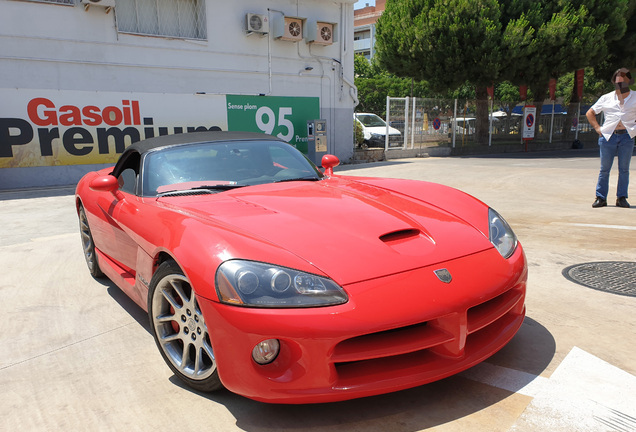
263, 274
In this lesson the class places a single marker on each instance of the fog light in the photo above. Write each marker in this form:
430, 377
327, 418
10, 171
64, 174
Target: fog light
266, 351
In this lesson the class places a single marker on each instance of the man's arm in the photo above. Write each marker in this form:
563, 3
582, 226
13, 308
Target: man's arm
591, 118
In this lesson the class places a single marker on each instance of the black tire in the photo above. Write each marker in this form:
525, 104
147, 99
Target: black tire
88, 245
179, 329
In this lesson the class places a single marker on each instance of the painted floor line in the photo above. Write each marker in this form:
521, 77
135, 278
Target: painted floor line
507, 379
584, 225
584, 393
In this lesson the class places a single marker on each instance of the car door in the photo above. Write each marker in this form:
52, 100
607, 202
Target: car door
118, 218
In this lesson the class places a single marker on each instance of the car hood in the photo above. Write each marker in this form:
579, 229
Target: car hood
349, 230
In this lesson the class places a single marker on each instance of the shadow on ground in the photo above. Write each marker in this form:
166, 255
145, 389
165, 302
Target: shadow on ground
137, 313
15, 194
530, 351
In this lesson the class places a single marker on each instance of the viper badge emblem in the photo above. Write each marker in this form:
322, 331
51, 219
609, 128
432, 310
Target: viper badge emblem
443, 275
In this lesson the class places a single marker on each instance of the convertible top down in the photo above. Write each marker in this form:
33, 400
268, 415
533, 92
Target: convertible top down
283, 283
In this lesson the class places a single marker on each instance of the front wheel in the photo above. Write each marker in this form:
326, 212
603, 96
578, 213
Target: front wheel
88, 245
179, 329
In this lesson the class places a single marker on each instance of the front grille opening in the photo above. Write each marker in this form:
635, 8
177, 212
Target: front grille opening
389, 343
488, 312
419, 351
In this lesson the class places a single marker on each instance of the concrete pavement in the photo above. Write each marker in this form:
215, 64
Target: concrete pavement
77, 354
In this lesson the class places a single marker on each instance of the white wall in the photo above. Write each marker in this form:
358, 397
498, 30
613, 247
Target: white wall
56, 47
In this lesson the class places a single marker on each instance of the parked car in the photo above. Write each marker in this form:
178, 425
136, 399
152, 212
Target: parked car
258, 275
463, 125
374, 130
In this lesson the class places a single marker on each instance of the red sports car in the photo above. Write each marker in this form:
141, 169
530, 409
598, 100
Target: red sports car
262, 274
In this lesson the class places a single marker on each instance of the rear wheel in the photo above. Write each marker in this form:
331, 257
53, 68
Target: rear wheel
180, 330
88, 245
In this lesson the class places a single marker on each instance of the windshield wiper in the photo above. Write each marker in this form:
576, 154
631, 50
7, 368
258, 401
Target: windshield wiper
211, 188
312, 178
219, 187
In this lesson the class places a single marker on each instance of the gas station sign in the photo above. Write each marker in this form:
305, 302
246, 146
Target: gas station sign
54, 127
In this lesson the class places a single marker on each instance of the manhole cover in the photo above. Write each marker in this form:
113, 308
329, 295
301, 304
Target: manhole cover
611, 276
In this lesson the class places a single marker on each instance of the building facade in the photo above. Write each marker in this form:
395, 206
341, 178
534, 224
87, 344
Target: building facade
364, 23
82, 79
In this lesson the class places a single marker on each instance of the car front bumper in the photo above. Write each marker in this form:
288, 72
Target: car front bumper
376, 141
395, 332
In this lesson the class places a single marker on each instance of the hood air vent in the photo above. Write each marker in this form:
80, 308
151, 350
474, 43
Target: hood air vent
400, 235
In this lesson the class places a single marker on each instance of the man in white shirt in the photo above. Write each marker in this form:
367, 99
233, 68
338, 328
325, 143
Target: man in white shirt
616, 136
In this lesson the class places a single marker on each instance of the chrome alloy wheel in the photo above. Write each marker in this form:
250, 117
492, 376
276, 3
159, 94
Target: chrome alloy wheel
180, 329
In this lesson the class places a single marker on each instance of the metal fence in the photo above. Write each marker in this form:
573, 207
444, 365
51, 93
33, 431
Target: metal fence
453, 123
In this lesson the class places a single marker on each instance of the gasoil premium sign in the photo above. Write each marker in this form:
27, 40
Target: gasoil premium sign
49, 127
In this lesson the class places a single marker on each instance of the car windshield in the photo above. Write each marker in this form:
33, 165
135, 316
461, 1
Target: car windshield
371, 120
218, 166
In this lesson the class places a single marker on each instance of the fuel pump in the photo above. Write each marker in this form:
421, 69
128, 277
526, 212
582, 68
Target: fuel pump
316, 140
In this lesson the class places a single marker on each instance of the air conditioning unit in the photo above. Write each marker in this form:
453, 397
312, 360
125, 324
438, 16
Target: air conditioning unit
108, 4
287, 28
256, 23
324, 33
321, 33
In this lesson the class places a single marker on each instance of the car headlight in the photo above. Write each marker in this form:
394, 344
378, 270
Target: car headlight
249, 283
501, 235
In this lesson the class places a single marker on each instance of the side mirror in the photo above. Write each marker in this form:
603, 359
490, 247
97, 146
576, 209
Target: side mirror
105, 183
329, 162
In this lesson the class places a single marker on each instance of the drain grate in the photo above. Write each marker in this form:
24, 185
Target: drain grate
611, 276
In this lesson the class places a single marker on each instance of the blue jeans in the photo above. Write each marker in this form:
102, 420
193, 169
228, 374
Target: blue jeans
623, 147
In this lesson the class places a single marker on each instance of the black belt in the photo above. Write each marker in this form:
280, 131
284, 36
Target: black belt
620, 131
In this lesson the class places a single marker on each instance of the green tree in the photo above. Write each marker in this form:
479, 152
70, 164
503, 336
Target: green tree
445, 43
594, 86
622, 52
362, 67
550, 39
448, 42
375, 84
